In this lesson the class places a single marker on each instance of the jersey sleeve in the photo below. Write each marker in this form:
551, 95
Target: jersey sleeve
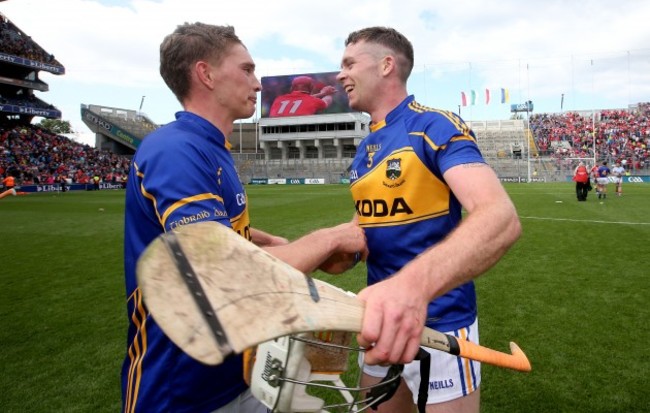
183, 185
450, 143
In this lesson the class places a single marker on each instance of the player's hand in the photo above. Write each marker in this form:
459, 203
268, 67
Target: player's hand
340, 262
328, 90
393, 321
349, 247
349, 238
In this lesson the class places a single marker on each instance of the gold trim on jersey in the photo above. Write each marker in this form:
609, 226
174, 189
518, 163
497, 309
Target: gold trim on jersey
463, 138
399, 190
147, 194
436, 147
451, 116
374, 127
185, 201
136, 351
428, 140
163, 218
242, 224
137, 170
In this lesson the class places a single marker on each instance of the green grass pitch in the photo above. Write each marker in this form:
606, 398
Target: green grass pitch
573, 293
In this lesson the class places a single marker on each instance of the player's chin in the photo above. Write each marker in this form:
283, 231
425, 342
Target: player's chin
354, 103
248, 112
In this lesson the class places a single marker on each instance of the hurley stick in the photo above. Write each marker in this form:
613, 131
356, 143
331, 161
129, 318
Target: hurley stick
214, 293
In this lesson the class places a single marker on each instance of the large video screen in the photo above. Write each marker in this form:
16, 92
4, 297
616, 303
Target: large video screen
303, 94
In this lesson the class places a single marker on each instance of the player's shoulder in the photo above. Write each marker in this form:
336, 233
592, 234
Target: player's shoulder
167, 142
420, 111
425, 114
162, 136
439, 125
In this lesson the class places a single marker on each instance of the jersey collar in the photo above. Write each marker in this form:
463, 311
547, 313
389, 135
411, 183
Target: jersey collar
210, 130
393, 114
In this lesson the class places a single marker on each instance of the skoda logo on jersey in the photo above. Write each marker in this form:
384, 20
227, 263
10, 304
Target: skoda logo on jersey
393, 168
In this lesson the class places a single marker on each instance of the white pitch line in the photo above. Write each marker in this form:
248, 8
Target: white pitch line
587, 220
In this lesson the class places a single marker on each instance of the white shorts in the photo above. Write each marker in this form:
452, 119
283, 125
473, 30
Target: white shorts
617, 180
602, 181
450, 377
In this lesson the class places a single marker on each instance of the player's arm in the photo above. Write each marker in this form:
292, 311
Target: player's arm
325, 91
325, 95
396, 308
312, 250
483, 237
264, 239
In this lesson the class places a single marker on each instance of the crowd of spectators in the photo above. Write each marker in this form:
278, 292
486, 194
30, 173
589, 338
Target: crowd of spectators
621, 136
16, 43
37, 156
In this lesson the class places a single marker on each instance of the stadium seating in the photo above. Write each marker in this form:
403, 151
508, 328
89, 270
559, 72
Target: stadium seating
17, 43
34, 156
22, 61
136, 123
621, 135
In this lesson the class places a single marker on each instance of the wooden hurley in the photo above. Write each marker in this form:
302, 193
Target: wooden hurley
214, 293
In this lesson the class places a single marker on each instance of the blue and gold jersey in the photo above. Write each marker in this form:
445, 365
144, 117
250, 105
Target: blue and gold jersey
403, 202
182, 173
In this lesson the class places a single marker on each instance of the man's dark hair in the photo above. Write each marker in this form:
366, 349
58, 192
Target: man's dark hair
189, 43
391, 39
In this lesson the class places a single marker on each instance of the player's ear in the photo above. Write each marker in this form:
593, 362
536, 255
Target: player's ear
388, 65
204, 73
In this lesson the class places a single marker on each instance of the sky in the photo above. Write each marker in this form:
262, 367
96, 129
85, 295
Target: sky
563, 55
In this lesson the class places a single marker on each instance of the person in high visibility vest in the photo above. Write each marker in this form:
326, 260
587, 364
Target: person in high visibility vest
9, 182
581, 178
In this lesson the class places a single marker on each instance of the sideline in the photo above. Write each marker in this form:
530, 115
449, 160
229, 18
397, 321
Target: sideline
586, 220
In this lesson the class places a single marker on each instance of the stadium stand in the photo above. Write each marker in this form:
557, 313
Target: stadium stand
31, 154
622, 135
21, 60
35, 156
17, 43
554, 140
137, 123
117, 130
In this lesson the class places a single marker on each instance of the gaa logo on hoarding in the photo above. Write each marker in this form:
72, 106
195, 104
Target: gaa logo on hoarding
635, 179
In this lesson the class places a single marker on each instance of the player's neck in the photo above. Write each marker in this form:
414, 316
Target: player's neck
218, 118
386, 104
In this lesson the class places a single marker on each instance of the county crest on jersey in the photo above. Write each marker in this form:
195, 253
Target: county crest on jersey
393, 168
